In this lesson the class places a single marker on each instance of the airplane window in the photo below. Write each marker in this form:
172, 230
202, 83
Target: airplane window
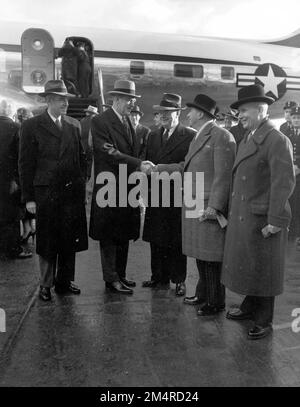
137, 67
188, 71
227, 72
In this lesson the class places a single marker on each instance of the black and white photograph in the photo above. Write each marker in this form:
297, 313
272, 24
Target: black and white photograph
149, 197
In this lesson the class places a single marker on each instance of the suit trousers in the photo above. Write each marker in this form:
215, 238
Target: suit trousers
261, 307
114, 260
59, 269
209, 278
167, 263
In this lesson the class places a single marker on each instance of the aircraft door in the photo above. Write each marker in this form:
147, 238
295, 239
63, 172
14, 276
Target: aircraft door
38, 62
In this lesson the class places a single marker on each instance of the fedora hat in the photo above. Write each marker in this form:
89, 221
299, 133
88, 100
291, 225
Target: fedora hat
205, 104
56, 87
289, 105
251, 93
170, 101
91, 109
124, 87
230, 113
136, 109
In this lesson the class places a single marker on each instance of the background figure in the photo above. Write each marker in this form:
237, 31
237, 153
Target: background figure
86, 123
156, 121
142, 132
9, 188
52, 170
27, 218
294, 136
69, 65
162, 228
287, 127
84, 71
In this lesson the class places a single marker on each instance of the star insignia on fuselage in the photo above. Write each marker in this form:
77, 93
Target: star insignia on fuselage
272, 77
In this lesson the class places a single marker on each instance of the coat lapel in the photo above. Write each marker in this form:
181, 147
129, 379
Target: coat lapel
198, 143
49, 125
66, 135
247, 149
174, 140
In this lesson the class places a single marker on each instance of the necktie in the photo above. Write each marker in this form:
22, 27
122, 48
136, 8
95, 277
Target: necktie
127, 129
165, 137
58, 124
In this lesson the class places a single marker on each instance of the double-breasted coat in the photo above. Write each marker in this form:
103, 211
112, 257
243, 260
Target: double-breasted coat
163, 224
52, 167
263, 179
112, 146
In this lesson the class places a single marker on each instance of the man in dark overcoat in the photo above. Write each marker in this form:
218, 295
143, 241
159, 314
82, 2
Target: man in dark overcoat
52, 168
287, 127
69, 65
9, 189
262, 182
162, 228
142, 132
115, 150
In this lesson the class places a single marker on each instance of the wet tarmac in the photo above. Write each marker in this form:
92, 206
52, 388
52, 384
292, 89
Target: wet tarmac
148, 339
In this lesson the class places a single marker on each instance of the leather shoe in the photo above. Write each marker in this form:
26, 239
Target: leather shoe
128, 283
258, 332
210, 310
149, 283
180, 289
45, 293
68, 288
192, 300
118, 287
238, 315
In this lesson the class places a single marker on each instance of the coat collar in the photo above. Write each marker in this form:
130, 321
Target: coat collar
199, 142
178, 136
50, 126
247, 149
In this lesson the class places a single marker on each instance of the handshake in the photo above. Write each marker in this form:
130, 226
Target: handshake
147, 167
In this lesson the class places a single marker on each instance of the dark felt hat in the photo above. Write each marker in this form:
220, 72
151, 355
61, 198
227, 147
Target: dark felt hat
169, 102
251, 93
205, 104
56, 87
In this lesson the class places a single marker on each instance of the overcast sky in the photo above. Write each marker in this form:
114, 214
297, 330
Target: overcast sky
225, 18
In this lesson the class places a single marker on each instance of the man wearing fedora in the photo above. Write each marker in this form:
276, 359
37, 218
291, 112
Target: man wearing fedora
52, 170
262, 182
212, 153
142, 132
115, 143
85, 123
162, 228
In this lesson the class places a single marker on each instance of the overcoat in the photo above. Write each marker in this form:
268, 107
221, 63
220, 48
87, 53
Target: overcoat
112, 146
163, 224
287, 129
52, 169
212, 153
263, 179
9, 139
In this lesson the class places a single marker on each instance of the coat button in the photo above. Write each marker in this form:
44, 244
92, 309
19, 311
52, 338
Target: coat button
241, 218
232, 194
244, 178
243, 198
